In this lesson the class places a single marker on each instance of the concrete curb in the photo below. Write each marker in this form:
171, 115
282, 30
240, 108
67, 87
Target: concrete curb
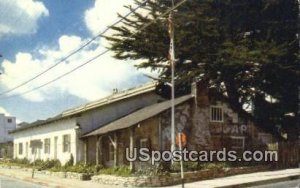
34, 181
262, 182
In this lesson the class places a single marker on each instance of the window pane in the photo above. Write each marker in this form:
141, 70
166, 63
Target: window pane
216, 114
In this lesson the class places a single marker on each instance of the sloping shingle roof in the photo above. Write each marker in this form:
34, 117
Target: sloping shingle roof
138, 116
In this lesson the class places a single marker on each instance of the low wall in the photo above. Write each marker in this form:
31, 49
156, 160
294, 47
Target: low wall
174, 178
142, 181
68, 175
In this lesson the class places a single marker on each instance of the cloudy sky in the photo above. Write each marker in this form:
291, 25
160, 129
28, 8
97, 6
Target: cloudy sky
36, 34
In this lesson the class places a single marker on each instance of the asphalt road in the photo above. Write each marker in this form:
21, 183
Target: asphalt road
285, 184
12, 183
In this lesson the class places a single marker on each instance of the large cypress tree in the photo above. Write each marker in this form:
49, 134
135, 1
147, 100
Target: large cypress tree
246, 49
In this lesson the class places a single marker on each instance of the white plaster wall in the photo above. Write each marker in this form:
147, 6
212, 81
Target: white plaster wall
51, 130
5, 127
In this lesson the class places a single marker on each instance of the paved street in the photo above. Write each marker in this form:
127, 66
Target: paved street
285, 184
13, 183
244, 179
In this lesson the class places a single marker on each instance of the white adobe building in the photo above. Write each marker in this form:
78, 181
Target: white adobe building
59, 136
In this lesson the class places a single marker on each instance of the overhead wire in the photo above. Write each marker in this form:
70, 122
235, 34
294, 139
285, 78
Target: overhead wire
97, 56
75, 51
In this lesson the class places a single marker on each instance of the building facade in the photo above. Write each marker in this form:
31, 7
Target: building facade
59, 137
100, 132
208, 123
7, 124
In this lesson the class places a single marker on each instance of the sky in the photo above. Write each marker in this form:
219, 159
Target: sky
35, 35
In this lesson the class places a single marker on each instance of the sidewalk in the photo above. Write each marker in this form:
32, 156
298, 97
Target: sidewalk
49, 181
246, 180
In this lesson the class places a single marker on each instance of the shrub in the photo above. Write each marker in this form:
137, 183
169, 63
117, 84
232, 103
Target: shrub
188, 166
161, 168
71, 161
78, 168
20, 162
48, 164
118, 171
216, 165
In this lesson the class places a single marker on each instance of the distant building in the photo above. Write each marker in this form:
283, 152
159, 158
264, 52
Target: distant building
7, 124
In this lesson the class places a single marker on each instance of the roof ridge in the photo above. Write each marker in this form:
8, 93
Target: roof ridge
111, 98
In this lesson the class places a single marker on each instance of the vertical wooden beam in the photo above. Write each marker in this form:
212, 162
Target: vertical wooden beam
159, 134
131, 146
97, 149
85, 155
99, 159
100, 151
116, 149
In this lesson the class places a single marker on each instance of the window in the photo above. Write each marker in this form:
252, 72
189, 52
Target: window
9, 120
237, 142
20, 148
216, 114
265, 138
66, 143
144, 143
111, 152
47, 145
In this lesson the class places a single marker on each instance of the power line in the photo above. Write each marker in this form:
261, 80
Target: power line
74, 52
97, 56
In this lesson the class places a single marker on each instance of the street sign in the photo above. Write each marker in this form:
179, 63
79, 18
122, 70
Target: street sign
181, 136
36, 144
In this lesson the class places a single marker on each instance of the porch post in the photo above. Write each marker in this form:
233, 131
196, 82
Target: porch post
85, 151
99, 150
131, 145
159, 133
116, 150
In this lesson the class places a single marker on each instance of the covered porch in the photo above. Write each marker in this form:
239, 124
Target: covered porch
107, 145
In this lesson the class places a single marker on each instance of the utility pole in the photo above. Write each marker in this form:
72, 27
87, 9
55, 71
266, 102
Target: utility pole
172, 62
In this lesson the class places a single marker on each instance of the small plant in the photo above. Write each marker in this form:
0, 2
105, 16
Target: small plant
71, 161
48, 164
216, 165
188, 166
19, 162
161, 168
118, 171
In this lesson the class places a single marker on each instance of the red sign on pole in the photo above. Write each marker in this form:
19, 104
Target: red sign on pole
181, 136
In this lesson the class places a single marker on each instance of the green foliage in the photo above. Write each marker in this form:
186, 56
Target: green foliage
118, 171
188, 166
70, 161
78, 168
161, 168
216, 165
195, 166
246, 50
48, 164
19, 162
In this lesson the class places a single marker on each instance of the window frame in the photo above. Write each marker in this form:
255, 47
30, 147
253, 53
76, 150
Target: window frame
66, 143
241, 138
217, 107
9, 120
47, 145
20, 149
